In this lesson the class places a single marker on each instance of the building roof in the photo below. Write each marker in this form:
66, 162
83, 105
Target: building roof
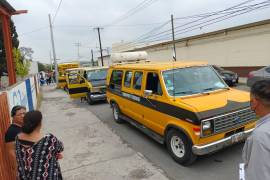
7, 6
245, 26
160, 65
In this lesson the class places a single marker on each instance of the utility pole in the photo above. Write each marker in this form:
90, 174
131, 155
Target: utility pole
78, 44
174, 50
51, 60
53, 49
92, 59
100, 47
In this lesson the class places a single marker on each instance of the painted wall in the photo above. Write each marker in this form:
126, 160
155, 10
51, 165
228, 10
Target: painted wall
18, 96
24, 93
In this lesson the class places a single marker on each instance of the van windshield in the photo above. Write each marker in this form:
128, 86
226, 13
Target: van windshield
97, 74
192, 80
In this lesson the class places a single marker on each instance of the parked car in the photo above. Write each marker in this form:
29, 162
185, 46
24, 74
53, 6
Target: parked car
231, 78
260, 74
186, 106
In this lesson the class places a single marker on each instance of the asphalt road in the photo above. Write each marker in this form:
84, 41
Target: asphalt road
222, 165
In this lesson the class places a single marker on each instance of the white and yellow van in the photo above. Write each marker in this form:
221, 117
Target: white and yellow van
89, 82
61, 73
185, 105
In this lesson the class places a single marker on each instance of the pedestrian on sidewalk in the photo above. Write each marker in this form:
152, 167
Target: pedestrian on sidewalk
17, 114
48, 78
37, 155
256, 152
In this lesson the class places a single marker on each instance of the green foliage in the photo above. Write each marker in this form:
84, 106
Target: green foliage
21, 65
43, 67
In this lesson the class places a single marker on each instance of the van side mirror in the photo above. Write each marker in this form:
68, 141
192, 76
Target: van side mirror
148, 93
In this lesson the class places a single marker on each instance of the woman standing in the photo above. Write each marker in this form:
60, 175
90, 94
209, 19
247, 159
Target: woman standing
37, 155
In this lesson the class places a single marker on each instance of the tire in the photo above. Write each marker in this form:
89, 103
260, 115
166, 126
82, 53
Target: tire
89, 100
180, 147
116, 113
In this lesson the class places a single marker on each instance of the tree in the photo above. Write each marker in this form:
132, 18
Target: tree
21, 65
26, 53
15, 44
43, 67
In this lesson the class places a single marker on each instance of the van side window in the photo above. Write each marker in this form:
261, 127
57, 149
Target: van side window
116, 79
128, 76
137, 80
153, 83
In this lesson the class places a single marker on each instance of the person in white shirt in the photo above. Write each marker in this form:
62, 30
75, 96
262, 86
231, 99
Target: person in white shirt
256, 152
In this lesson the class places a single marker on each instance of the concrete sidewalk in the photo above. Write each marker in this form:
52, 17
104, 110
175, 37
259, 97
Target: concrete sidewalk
92, 150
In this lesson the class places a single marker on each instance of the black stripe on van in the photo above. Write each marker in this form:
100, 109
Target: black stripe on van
61, 80
78, 90
180, 113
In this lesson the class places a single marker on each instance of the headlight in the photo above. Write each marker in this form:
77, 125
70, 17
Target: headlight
207, 128
206, 125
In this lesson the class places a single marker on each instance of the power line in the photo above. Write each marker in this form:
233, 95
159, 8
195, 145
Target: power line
112, 26
144, 4
156, 37
204, 17
207, 23
200, 25
144, 35
57, 10
33, 31
152, 34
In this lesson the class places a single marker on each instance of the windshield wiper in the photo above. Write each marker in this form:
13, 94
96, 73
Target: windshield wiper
211, 88
96, 79
185, 92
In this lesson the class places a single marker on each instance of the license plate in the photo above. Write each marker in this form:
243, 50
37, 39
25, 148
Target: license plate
234, 80
237, 137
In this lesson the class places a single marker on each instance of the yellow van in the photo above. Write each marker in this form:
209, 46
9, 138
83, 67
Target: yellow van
184, 105
61, 73
89, 82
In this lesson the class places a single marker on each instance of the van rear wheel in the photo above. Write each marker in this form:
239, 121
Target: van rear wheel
116, 113
180, 147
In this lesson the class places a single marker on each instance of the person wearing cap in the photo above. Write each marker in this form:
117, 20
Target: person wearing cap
17, 114
256, 152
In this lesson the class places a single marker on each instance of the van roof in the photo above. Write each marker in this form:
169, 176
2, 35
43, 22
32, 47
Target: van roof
161, 65
94, 68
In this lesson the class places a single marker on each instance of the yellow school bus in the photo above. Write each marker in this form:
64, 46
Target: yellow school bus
185, 105
61, 73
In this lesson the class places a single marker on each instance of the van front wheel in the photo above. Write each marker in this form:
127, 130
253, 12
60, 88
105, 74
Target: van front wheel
89, 99
180, 147
116, 113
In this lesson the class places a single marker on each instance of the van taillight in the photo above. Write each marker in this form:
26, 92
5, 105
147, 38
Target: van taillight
250, 75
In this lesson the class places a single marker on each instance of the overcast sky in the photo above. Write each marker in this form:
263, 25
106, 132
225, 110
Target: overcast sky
76, 19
